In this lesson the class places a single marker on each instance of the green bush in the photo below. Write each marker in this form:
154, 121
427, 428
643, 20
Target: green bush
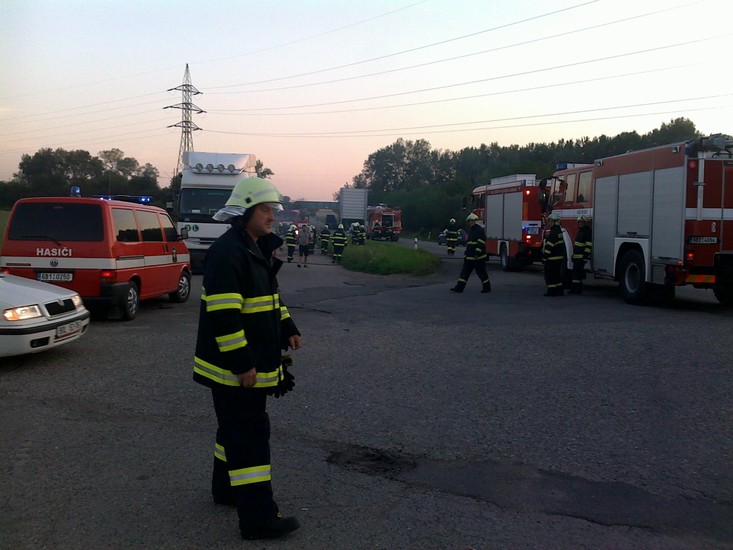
383, 258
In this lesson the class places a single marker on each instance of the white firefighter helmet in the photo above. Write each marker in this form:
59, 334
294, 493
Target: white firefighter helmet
452, 220
471, 217
582, 219
554, 216
292, 227
341, 226
247, 193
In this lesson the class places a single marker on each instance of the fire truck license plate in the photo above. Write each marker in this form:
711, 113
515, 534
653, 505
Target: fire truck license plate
703, 240
51, 277
69, 329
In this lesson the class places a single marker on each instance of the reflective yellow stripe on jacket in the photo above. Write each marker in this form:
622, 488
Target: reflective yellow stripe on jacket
228, 378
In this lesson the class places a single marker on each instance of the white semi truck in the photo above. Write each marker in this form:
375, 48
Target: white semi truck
206, 183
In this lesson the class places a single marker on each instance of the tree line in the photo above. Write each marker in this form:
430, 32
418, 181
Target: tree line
430, 185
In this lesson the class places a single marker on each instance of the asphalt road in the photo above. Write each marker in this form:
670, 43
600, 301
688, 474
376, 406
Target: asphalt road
421, 419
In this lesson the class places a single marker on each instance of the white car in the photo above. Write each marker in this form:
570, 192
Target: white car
36, 316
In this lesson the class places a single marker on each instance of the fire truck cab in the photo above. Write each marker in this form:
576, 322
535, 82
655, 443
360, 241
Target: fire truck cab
661, 217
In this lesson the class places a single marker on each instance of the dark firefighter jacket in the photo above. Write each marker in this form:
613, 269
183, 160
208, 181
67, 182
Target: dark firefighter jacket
583, 244
451, 234
290, 238
242, 322
339, 238
325, 235
476, 244
554, 249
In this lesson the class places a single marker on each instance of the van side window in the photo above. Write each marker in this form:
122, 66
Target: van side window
171, 235
125, 225
570, 191
149, 226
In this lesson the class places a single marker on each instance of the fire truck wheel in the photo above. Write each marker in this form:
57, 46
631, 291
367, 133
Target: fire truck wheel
506, 262
724, 294
132, 302
184, 289
633, 273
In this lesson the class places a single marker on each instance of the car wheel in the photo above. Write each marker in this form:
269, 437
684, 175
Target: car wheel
184, 289
132, 302
506, 262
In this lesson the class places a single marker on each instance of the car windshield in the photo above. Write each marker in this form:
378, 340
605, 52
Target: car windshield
59, 222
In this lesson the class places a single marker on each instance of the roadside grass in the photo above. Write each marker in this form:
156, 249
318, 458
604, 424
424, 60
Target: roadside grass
385, 258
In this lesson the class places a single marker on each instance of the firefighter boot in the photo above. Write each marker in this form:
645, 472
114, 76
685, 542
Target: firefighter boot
460, 285
487, 287
270, 529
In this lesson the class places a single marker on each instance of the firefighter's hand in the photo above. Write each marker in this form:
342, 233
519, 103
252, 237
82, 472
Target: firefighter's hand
248, 379
294, 342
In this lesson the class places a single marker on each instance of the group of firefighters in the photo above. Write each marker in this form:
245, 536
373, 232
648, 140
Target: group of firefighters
554, 255
306, 239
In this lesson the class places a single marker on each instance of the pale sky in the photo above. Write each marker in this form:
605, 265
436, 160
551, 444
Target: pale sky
312, 87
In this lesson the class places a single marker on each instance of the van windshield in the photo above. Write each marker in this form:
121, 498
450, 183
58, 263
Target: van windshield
59, 222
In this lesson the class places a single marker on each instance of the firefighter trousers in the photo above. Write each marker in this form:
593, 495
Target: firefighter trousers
553, 277
578, 276
468, 267
242, 454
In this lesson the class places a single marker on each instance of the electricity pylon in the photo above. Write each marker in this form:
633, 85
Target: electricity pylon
187, 125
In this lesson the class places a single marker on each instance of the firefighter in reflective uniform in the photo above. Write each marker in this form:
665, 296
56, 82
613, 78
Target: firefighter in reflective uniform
581, 254
339, 240
451, 237
325, 237
554, 255
291, 240
243, 326
475, 257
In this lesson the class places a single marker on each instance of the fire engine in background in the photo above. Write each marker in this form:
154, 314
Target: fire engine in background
384, 222
206, 183
661, 217
510, 210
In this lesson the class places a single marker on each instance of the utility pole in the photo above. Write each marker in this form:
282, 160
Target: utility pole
187, 125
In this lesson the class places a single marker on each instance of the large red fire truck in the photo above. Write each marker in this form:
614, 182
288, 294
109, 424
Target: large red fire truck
661, 217
510, 210
384, 222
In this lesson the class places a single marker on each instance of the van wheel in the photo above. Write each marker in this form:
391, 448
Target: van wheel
184, 289
132, 302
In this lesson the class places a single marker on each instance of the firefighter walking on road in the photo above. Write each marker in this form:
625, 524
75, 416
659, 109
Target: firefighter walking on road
339, 243
325, 237
451, 237
291, 239
581, 254
475, 257
554, 255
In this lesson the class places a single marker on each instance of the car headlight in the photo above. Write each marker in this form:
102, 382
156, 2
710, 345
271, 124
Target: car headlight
76, 299
22, 313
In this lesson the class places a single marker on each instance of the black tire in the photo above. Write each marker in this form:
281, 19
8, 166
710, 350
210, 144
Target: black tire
507, 264
131, 305
633, 273
724, 294
184, 289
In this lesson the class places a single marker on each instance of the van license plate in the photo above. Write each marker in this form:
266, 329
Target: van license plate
60, 277
69, 329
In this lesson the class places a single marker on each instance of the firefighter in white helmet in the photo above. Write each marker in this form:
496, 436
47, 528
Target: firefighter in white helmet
339, 240
554, 255
475, 257
291, 240
451, 237
581, 253
243, 325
